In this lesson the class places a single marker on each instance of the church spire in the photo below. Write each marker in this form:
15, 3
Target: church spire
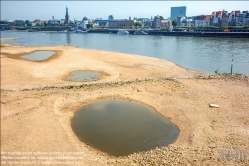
66, 12
66, 17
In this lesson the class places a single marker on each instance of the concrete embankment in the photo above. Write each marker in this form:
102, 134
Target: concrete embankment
210, 34
196, 33
181, 33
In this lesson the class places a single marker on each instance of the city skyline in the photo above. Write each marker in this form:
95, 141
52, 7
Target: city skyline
102, 9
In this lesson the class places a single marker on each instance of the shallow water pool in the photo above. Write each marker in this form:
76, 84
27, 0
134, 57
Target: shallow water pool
38, 55
81, 75
119, 127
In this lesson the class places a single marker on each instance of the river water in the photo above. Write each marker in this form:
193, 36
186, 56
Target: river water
197, 53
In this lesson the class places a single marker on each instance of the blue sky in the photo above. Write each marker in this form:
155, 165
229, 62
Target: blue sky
44, 10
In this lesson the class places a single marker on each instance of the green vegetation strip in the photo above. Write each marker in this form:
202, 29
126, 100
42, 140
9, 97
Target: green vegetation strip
225, 76
100, 85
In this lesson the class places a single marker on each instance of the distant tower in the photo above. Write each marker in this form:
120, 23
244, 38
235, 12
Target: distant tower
130, 18
53, 17
110, 17
66, 17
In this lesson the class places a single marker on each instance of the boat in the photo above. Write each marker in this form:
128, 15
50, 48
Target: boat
140, 32
32, 30
122, 32
64, 31
79, 31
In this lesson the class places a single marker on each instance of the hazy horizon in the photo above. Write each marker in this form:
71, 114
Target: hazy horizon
44, 10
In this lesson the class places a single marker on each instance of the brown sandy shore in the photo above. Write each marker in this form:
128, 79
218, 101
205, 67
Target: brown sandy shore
37, 105
13, 38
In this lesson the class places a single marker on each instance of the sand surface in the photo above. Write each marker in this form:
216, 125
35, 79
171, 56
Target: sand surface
37, 105
13, 38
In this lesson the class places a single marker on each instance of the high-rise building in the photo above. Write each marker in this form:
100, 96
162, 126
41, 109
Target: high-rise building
66, 17
178, 11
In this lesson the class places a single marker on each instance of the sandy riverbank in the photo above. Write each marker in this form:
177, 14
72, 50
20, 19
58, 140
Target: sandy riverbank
37, 105
13, 38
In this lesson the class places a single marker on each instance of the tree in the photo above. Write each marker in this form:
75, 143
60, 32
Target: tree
164, 27
27, 22
19, 24
45, 23
174, 22
89, 26
161, 17
138, 24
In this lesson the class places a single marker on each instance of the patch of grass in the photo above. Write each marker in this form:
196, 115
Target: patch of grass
209, 137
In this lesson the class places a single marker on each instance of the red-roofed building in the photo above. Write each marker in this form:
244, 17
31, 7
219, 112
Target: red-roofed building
207, 17
202, 20
236, 12
217, 17
232, 17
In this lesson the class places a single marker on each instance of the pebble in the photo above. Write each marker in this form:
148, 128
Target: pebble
214, 105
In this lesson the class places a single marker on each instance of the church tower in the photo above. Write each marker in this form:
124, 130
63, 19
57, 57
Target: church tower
66, 17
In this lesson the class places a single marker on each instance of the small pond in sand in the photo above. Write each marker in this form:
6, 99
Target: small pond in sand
119, 127
38, 55
81, 75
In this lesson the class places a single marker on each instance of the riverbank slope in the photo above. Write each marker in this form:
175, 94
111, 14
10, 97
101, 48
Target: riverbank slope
37, 105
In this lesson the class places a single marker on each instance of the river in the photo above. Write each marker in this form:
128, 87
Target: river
197, 53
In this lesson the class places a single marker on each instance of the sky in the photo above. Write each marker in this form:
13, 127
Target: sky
44, 10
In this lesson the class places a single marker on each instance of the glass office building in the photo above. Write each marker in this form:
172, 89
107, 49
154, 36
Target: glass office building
177, 11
